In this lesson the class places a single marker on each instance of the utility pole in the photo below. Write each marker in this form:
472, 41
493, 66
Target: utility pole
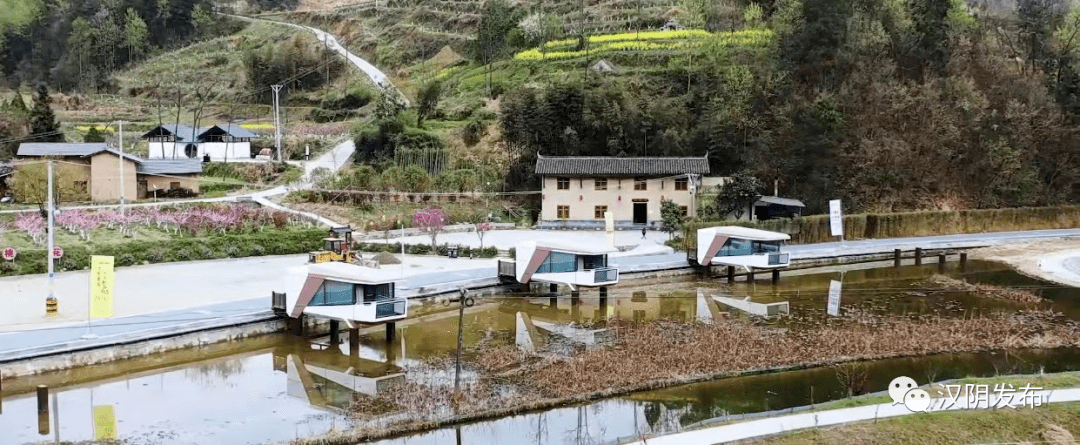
51, 300
277, 121
693, 196
460, 336
121, 134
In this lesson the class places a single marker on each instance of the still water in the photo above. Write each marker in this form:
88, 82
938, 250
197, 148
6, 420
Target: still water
278, 387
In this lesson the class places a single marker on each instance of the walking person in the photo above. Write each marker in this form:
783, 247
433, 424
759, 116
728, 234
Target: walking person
642, 232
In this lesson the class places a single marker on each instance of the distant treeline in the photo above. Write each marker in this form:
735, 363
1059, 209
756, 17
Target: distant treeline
76, 44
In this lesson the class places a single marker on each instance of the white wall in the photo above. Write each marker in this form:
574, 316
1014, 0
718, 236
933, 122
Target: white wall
224, 151
219, 151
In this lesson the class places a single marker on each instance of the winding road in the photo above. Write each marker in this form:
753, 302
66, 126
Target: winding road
377, 76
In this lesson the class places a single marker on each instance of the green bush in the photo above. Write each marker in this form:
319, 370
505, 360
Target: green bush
219, 187
156, 256
125, 259
418, 249
487, 252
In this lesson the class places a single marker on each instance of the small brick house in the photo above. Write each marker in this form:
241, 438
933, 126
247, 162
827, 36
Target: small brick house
97, 170
576, 191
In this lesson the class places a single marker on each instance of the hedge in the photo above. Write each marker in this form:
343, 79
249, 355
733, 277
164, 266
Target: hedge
425, 249
238, 245
815, 229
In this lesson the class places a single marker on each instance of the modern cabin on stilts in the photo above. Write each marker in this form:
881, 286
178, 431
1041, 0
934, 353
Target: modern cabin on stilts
740, 247
577, 266
343, 292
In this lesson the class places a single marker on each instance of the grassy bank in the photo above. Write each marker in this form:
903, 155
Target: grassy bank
815, 229
1049, 424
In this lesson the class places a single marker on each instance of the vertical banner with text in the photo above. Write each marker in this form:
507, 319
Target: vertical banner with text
836, 218
834, 298
104, 422
609, 227
101, 286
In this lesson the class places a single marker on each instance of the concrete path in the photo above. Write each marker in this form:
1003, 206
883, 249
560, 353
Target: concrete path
181, 297
784, 424
171, 293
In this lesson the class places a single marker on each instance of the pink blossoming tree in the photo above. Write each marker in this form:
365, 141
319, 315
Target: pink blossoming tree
431, 222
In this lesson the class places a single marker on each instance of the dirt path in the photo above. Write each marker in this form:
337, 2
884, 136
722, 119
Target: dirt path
1057, 261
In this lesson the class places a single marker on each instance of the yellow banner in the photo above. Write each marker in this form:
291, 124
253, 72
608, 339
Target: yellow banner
104, 422
101, 286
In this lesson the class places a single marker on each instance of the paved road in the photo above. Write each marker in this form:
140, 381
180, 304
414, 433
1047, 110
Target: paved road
377, 77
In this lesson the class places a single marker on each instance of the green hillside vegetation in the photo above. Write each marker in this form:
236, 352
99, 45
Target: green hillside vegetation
889, 105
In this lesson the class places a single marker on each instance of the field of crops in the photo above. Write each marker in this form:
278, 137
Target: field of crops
648, 41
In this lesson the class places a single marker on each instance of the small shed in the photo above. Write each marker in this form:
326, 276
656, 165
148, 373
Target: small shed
772, 207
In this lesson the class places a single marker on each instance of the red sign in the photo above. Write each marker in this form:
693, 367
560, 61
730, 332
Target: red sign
9, 254
57, 252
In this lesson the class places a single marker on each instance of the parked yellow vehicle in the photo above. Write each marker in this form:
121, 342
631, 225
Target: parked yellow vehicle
336, 247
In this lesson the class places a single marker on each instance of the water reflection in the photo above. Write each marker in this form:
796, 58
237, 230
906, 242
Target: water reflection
673, 409
277, 388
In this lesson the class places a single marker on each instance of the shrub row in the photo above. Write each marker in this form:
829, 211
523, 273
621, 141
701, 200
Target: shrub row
425, 249
815, 229
266, 242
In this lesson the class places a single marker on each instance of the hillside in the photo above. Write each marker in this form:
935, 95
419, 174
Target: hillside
889, 106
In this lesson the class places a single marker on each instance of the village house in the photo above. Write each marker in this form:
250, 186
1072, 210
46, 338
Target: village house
223, 142
97, 171
578, 190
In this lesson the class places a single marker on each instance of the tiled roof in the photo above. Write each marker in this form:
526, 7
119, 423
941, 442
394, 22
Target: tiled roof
130, 157
600, 166
234, 130
183, 132
170, 166
60, 148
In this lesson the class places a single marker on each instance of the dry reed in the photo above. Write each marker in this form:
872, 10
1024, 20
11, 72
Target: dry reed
986, 290
664, 353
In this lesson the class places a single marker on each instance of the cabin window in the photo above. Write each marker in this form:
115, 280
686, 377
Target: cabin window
601, 183
735, 246
333, 293
640, 184
590, 262
599, 211
766, 246
681, 184
376, 292
563, 183
563, 212
558, 262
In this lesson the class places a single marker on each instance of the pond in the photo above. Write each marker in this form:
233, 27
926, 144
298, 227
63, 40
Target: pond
279, 387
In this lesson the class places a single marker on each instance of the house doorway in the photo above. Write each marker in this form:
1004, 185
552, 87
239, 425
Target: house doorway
641, 212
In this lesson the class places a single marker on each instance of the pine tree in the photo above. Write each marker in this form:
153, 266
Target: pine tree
94, 136
43, 124
17, 105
